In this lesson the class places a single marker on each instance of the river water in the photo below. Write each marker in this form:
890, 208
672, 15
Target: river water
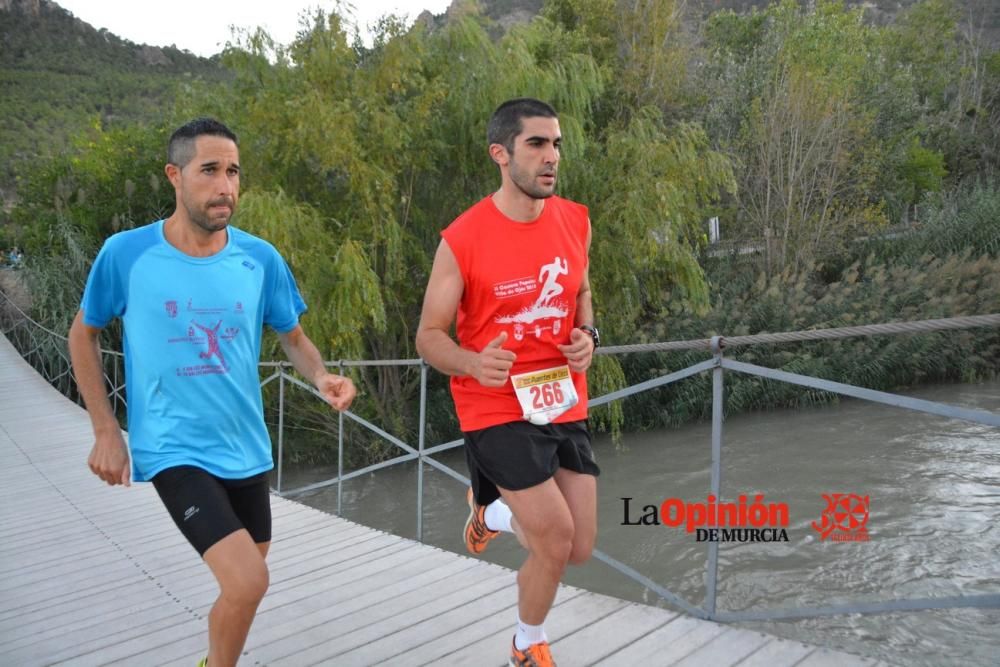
934, 490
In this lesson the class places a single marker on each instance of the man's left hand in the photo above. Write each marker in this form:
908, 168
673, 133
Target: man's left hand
579, 351
339, 391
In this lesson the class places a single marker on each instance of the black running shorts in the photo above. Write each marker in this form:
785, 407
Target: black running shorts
519, 455
207, 508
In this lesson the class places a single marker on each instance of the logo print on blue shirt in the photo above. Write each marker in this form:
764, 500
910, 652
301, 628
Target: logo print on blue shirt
248, 264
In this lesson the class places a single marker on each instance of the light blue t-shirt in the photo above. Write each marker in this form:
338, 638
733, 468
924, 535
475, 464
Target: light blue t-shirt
193, 329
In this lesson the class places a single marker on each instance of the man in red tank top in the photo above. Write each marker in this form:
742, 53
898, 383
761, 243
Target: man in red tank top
511, 274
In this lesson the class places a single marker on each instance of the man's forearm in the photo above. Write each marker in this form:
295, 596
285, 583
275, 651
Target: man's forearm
305, 357
584, 309
85, 353
440, 351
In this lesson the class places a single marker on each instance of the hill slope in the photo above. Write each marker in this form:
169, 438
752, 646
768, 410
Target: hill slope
60, 76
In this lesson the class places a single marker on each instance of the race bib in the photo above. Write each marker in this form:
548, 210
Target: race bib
545, 394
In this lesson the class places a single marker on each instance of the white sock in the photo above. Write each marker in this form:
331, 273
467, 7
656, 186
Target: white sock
498, 516
528, 634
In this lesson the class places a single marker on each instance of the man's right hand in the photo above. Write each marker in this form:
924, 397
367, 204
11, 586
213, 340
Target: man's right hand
492, 365
109, 459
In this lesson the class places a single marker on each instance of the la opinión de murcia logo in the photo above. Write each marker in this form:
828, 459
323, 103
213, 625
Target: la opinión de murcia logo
713, 521
845, 518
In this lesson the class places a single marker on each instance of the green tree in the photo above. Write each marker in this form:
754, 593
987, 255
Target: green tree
791, 113
942, 59
110, 180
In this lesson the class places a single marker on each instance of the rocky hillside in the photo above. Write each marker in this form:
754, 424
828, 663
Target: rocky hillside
60, 76
977, 15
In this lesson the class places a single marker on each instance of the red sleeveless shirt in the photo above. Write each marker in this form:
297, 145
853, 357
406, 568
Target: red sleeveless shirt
522, 278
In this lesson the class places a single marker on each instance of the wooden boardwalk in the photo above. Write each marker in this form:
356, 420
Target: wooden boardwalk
92, 575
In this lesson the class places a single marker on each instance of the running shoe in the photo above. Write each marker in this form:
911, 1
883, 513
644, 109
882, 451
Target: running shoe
203, 662
536, 655
476, 534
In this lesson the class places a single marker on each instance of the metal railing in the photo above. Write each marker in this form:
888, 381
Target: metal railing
48, 353
27, 332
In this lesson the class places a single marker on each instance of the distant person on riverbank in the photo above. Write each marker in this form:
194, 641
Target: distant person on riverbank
14, 258
193, 294
512, 271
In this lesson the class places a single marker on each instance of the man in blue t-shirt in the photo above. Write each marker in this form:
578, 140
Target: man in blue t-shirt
193, 295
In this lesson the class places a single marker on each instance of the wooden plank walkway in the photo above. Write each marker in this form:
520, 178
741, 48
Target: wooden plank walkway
91, 575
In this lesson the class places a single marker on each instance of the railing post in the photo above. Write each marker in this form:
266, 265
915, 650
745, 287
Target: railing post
712, 566
340, 449
281, 420
420, 449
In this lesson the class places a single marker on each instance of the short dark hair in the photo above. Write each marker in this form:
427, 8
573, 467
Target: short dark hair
180, 148
505, 123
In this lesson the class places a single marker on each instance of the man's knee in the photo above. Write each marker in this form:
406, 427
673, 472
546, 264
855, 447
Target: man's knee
555, 546
583, 544
580, 553
248, 585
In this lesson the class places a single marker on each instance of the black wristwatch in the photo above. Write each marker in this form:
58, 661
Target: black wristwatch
593, 334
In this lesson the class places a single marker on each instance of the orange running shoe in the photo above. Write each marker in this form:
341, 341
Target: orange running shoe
536, 655
476, 533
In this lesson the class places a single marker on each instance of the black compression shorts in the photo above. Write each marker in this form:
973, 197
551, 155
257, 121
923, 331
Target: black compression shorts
207, 508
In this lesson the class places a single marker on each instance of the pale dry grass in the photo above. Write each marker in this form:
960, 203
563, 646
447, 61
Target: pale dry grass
13, 286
